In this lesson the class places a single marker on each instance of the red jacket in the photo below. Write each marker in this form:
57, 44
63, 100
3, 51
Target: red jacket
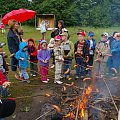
32, 50
2, 78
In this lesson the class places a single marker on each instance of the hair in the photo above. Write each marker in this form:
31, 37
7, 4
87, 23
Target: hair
11, 23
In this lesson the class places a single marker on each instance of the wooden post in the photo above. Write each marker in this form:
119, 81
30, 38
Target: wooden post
35, 21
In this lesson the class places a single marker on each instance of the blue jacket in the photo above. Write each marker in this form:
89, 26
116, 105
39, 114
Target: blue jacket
22, 54
114, 60
94, 44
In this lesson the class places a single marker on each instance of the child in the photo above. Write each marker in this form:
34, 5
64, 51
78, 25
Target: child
59, 53
51, 47
102, 51
43, 29
59, 30
81, 50
32, 51
22, 56
3, 85
92, 45
3, 28
44, 57
113, 61
3, 65
68, 53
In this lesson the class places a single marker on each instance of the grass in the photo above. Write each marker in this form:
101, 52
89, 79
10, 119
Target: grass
22, 89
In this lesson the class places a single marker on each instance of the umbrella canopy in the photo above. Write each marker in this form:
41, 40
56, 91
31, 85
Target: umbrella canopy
20, 15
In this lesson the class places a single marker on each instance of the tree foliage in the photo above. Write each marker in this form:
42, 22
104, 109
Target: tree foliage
97, 13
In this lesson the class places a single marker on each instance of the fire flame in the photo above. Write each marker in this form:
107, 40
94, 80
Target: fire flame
83, 103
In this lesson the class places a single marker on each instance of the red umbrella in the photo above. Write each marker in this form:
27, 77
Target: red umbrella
20, 15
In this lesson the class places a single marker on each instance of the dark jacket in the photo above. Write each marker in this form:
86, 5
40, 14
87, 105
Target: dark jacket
94, 44
85, 48
58, 31
33, 50
13, 42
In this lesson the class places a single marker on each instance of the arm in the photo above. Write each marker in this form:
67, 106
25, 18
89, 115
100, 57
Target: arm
1, 61
39, 56
18, 56
71, 50
48, 55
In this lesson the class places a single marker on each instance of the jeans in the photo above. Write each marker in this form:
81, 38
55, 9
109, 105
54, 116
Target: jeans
67, 64
23, 73
80, 70
14, 64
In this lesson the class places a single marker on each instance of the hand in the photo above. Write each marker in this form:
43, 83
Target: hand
22, 59
31, 54
12, 55
75, 52
45, 61
6, 84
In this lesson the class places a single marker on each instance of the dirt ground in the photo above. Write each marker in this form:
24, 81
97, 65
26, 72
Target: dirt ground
36, 102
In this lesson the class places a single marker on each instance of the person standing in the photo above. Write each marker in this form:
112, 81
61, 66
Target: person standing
43, 29
59, 58
81, 51
13, 40
44, 57
32, 51
22, 56
68, 48
102, 51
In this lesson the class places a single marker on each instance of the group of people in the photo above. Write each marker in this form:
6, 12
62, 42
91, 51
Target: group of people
62, 51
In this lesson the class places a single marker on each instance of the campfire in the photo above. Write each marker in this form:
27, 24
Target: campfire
75, 103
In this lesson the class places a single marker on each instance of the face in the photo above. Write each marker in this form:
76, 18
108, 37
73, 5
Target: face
57, 43
103, 38
16, 26
64, 38
30, 43
90, 37
44, 46
59, 25
117, 37
1, 49
80, 37
25, 49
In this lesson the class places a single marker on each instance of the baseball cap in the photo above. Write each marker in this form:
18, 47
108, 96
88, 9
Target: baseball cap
57, 38
91, 33
81, 33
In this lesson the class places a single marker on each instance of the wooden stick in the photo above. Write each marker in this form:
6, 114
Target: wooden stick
98, 109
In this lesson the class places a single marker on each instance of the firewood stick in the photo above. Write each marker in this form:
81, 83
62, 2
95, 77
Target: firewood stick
98, 109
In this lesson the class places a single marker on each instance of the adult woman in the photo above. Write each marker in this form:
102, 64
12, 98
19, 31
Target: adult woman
13, 44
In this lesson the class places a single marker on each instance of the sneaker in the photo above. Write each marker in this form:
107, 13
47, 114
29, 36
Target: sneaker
31, 74
21, 78
76, 77
58, 82
45, 81
34, 75
28, 81
52, 66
